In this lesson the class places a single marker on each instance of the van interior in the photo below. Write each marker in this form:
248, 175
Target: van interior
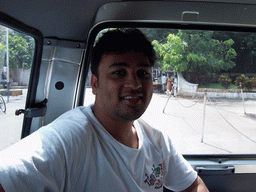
208, 45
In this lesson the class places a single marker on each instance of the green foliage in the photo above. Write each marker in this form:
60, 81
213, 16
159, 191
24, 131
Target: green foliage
250, 83
253, 79
212, 86
232, 86
21, 49
240, 80
249, 40
225, 81
245, 82
218, 86
158, 34
195, 51
172, 53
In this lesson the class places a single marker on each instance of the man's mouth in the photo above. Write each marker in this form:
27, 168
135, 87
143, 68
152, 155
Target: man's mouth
132, 97
133, 100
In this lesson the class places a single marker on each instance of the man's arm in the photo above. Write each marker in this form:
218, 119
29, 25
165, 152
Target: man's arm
1, 188
197, 186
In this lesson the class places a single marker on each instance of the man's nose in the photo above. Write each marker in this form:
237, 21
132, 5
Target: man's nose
133, 81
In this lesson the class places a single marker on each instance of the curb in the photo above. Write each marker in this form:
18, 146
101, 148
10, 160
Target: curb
11, 92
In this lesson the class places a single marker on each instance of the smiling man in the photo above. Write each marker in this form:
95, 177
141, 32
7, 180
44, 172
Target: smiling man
125, 85
105, 146
123, 91
122, 82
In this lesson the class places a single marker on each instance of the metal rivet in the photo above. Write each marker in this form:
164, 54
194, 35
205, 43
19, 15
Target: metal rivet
78, 45
49, 42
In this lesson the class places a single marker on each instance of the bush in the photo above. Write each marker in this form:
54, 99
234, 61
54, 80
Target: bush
247, 82
253, 82
224, 80
241, 80
195, 77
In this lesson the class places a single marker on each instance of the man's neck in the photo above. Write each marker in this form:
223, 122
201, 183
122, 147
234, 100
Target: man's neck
123, 131
127, 135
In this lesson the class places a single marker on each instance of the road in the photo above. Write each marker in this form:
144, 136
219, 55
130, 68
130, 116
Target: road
11, 125
226, 129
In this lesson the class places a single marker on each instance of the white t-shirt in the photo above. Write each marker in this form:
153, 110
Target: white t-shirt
75, 153
164, 79
175, 82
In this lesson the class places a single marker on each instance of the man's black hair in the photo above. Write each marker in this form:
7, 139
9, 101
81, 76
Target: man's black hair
120, 42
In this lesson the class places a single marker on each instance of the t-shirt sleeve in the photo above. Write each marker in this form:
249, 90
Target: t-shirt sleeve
179, 174
35, 163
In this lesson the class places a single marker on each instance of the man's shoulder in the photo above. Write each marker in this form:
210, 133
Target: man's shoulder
75, 120
77, 115
156, 135
152, 133
146, 126
73, 128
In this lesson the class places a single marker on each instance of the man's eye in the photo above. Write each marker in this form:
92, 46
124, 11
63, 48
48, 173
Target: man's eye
143, 74
119, 72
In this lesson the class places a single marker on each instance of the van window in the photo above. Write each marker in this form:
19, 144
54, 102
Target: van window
204, 89
16, 56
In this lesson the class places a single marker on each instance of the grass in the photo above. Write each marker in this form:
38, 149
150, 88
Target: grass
232, 86
217, 86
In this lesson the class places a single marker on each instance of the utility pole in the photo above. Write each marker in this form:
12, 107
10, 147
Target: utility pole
7, 61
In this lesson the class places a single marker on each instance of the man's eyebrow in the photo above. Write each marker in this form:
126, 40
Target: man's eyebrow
127, 65
144, 65
119, 65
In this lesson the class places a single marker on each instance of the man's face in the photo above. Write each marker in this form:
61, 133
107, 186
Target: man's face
124, 87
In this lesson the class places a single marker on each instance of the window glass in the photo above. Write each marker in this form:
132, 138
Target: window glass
16, 56
206, 101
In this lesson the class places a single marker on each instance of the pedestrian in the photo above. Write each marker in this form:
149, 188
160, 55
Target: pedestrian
164, 82
105, 146
175, 85
169, 85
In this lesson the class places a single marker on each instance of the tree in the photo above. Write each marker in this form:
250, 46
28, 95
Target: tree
21, 48
172, 53
196, 52
2, 46
245, 48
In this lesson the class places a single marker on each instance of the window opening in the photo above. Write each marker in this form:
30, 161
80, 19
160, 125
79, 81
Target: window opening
207, 100
16, 57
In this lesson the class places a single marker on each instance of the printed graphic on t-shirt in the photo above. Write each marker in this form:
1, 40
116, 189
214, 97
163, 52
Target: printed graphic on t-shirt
155, 178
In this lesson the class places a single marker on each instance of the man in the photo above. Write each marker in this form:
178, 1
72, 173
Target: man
103, 147
175, 85
164, 82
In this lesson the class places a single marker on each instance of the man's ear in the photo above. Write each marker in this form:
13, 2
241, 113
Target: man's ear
94, 83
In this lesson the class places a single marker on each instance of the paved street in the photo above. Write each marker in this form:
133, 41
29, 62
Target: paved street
10, 125
227, 130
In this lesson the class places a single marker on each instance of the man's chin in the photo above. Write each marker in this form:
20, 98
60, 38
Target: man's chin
132, 114
129, 118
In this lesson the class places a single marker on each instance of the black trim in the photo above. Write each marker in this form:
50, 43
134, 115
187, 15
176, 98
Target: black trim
219, 157
14, 24
146, 24
165, 24
173, 25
